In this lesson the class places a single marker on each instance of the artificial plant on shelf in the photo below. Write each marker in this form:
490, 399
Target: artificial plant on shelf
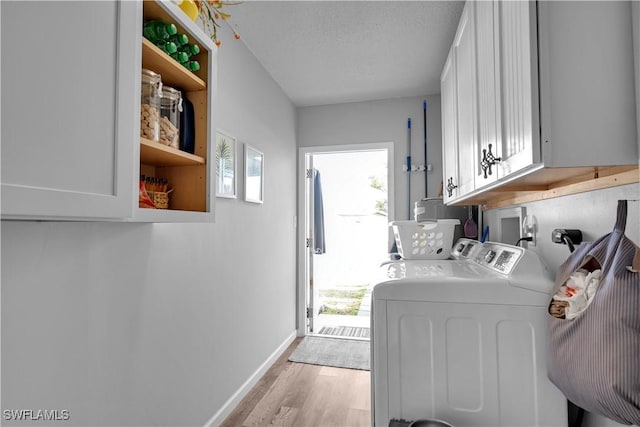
211, 14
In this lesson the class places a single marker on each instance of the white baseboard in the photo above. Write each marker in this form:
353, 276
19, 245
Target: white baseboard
245, 388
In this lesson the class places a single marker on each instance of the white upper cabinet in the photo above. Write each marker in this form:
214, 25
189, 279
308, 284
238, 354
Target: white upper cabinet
67, 111
71, 145
552, 101
466, 93
516, 67
587, 101
449, 128
489, 135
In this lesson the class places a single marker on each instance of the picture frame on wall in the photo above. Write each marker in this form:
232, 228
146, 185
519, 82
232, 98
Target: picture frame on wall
226, 160
253, 174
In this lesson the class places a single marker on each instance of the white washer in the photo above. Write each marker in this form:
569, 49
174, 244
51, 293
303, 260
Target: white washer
463, 340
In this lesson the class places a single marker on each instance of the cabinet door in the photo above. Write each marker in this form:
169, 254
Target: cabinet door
520, 145
464, 49
68, 109
488, 93
449, 129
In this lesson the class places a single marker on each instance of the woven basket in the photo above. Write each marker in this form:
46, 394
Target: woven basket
160, 199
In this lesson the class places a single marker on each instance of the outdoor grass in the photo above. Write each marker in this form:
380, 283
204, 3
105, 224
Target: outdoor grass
342, 301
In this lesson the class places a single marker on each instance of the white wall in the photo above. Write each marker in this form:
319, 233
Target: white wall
158, 324
594, 213
382, 121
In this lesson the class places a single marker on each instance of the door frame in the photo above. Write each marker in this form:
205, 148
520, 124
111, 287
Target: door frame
303, 152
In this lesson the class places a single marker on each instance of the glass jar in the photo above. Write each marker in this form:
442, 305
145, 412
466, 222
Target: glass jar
150, 96
170, 109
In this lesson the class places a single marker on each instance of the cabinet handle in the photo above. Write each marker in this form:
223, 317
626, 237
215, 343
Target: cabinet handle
488, 160
451, 186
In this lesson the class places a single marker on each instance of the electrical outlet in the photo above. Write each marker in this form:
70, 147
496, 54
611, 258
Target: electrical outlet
559, 235
530, 228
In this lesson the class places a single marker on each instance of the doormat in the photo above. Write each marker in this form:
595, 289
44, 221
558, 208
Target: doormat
336, 352
346, 331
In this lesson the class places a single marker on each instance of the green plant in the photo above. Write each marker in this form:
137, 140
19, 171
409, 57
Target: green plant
381, 204
224, 154
378, 184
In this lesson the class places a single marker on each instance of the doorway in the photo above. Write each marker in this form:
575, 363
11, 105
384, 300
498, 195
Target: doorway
345, 203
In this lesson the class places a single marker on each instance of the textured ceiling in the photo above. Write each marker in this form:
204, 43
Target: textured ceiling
331, 52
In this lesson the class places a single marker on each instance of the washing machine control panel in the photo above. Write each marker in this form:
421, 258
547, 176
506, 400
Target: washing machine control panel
489, 256
499, 257
465, 249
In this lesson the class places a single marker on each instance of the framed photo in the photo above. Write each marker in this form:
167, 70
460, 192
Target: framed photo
253, 174
225, 165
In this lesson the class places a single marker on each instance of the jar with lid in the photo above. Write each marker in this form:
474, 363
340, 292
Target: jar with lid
151, 93
170, 109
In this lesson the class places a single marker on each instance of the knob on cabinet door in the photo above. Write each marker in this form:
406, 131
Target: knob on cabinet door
488, 160
451, 186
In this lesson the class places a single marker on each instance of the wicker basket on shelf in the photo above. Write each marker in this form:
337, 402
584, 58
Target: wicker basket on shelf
160, 199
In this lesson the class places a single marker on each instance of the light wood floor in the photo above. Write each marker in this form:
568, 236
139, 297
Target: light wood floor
301, 395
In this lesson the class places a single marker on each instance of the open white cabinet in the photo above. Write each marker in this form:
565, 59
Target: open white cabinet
71, 146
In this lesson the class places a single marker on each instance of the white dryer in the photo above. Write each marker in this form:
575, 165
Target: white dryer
463, 340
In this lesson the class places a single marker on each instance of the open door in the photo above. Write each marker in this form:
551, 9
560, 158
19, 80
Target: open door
309, 238
343, 193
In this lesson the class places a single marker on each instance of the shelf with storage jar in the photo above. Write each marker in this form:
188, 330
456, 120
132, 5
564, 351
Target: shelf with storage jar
76, 154
187, 168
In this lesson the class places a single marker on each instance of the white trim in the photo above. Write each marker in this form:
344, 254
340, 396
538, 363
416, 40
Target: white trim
234, 195
247, 149
245, 388
302, 152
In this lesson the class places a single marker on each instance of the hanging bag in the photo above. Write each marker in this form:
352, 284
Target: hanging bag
594, 357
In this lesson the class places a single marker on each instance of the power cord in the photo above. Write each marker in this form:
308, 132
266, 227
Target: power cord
567, 240
567, 236
524, 239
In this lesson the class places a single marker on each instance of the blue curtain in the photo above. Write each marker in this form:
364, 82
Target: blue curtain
318, 215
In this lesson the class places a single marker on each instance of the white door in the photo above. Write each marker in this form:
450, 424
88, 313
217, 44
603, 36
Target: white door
68, 108
489, 140
464, 49
449, 129
309, 244
520, 145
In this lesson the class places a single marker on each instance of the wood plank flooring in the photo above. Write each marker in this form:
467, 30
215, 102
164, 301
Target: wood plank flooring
301, 395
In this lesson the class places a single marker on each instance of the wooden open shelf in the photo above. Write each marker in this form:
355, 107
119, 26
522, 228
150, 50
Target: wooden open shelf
189, 175
173, 74
549, 183
156, 154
